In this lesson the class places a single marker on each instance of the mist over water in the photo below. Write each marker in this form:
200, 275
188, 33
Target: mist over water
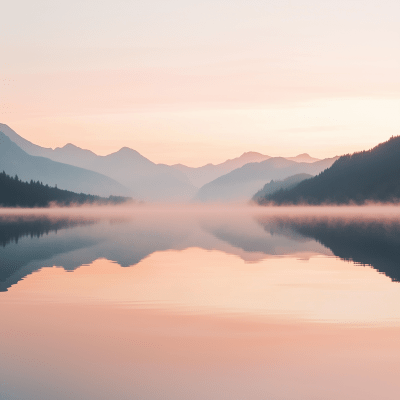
71, 238
151, 301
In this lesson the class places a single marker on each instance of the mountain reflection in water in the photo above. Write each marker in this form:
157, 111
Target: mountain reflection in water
69, 241
216, 303
29, 242
375, 243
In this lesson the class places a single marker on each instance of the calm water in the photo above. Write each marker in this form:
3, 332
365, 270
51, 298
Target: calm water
212, 303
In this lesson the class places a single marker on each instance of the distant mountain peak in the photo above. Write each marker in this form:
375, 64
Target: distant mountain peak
304, 157
70, 145
125, 154
126, 150
252, 154
70, 150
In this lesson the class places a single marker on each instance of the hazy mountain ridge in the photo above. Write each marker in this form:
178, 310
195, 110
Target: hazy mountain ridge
241, 184
207, 173
303, 158
274, 186
372, 175
159, 182
27, 146
15, 161
147, 180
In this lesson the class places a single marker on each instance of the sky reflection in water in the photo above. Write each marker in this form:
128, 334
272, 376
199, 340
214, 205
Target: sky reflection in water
236, 297
209, 261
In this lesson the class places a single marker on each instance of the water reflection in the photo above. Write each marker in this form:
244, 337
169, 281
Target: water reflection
30, 243
12, 229
375, 243
215, 304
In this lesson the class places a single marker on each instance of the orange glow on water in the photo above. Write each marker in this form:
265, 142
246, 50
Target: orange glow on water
302, 286
211, 322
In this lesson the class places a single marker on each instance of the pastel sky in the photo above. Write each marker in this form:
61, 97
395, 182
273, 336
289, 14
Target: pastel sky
202, 81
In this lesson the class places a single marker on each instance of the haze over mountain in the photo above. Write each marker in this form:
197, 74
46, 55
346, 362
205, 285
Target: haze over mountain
147, 180
15, 161
274, 186
207, 173
372, 175
242, 183
303, 158
159, 182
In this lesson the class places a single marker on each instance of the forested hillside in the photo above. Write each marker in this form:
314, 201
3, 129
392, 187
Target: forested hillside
372, 175
15, 193
242, 183
274, 186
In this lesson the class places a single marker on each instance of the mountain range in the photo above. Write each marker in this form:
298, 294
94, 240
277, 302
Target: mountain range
207, 173
144, 179
128, 173
15, 161
241, 183
372, 175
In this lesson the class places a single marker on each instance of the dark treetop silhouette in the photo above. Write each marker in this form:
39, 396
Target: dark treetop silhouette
372, 175
15, 193
128, 173
274, 186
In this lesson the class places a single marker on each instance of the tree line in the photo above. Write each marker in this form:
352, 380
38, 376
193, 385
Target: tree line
16, 193
372, 175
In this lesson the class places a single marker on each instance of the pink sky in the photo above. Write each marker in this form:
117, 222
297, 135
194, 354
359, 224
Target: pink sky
202, 82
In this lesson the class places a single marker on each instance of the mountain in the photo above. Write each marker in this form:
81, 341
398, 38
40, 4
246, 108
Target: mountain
16, 193
274, 186
151, 182
372, 175
147, 180
303, 158
207, 173
28, 147
15, 161
241, 183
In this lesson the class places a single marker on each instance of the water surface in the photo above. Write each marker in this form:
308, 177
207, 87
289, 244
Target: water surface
200, 303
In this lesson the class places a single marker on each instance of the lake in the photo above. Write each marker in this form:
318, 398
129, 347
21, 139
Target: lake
188, 302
